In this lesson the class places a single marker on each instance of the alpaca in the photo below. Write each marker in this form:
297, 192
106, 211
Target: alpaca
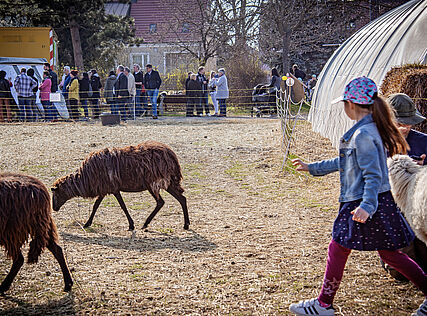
25, 211
408, 182
148, 166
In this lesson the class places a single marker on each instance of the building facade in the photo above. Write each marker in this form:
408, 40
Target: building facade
163, 38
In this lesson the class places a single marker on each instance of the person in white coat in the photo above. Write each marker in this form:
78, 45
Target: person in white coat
132, 91
212, 88
222, 92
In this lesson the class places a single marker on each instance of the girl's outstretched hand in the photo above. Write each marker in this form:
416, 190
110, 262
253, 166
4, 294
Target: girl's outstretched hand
301, 166
421, 161
360, 215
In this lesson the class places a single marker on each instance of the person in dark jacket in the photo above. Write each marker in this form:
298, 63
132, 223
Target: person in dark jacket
152, 84
53, 77
187, 81
406, 117
109, 92
34, 109
66, 78
121, 92
203, 103
194, 89
186, 87
5, 96
275, 79
297, 72
84, 93
139, 82
96, 85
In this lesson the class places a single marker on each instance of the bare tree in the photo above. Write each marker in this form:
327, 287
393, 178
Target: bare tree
192, 25
283, 19
298, 27
202, 27
241, 20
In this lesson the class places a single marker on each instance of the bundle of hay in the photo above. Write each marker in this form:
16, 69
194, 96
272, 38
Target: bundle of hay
412, 80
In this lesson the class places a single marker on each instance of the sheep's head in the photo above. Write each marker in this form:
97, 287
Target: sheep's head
60, 193
399, 165
401, 169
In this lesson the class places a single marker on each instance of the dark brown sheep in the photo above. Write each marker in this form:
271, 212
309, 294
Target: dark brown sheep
148, 166
25, 211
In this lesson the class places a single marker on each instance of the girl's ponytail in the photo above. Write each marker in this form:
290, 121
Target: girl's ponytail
383, 117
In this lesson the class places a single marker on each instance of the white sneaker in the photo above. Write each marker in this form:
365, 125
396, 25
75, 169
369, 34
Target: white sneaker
422, 310
310, 307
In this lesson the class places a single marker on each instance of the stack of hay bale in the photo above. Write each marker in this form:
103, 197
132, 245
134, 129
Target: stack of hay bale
411, 80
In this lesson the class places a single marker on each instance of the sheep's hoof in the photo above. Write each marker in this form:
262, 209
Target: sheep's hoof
186, 226
3, 289
68, 287
144, 227
87, 225
131, 229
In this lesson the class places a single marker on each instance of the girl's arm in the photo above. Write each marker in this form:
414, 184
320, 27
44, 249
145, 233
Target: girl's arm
367, 157
320, 168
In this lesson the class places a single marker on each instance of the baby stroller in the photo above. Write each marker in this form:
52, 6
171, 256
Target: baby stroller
264, 100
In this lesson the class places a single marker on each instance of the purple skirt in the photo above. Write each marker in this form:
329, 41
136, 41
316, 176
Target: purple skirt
386, 230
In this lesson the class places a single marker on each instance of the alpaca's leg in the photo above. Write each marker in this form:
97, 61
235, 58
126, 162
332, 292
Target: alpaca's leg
183, 201
95, 207
159, 205
123, 206
56, 250
16, 266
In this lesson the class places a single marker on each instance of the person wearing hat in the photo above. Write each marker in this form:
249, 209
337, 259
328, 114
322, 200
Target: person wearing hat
407, 116
368, 218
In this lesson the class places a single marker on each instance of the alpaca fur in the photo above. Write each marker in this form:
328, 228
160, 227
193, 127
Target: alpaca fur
25, 212
408, 182
148, 166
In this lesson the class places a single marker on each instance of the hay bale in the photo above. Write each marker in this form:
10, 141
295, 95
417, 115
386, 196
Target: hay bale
412, 80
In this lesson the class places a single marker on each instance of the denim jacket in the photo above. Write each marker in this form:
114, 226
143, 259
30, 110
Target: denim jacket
362, 165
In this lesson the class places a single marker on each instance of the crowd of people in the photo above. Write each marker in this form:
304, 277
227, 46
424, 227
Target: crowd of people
198, 89
128, 93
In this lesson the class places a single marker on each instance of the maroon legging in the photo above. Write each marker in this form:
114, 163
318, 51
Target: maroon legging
337, 258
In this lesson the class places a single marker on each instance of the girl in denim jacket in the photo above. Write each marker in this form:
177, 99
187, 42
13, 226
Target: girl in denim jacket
368, 218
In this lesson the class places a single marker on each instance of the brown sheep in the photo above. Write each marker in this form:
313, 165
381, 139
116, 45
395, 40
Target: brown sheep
148, 166
25, 211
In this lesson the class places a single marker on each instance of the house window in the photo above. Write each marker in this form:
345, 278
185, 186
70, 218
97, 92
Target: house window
185, 28
140, 59
153, 28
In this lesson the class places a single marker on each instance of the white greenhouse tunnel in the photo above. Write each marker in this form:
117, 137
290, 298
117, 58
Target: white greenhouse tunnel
396, 38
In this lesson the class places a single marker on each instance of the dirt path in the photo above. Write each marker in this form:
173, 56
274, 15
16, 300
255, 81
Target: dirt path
257, 242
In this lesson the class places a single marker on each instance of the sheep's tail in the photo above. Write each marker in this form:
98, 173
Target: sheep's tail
41, 240
36, 247
176, 176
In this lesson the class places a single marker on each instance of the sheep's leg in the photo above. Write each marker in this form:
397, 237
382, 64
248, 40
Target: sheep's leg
16, 266
56, 250
159, 205
123, 206
183, 201
95, 207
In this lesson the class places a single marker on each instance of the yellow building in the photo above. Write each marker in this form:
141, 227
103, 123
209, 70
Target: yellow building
29, 42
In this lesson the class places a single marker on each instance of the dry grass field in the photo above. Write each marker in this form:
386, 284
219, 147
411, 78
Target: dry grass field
257, 240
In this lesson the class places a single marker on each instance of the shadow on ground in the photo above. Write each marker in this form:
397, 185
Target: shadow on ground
63, 306
193, 243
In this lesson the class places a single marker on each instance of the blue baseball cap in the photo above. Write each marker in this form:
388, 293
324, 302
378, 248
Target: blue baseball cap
361, 90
